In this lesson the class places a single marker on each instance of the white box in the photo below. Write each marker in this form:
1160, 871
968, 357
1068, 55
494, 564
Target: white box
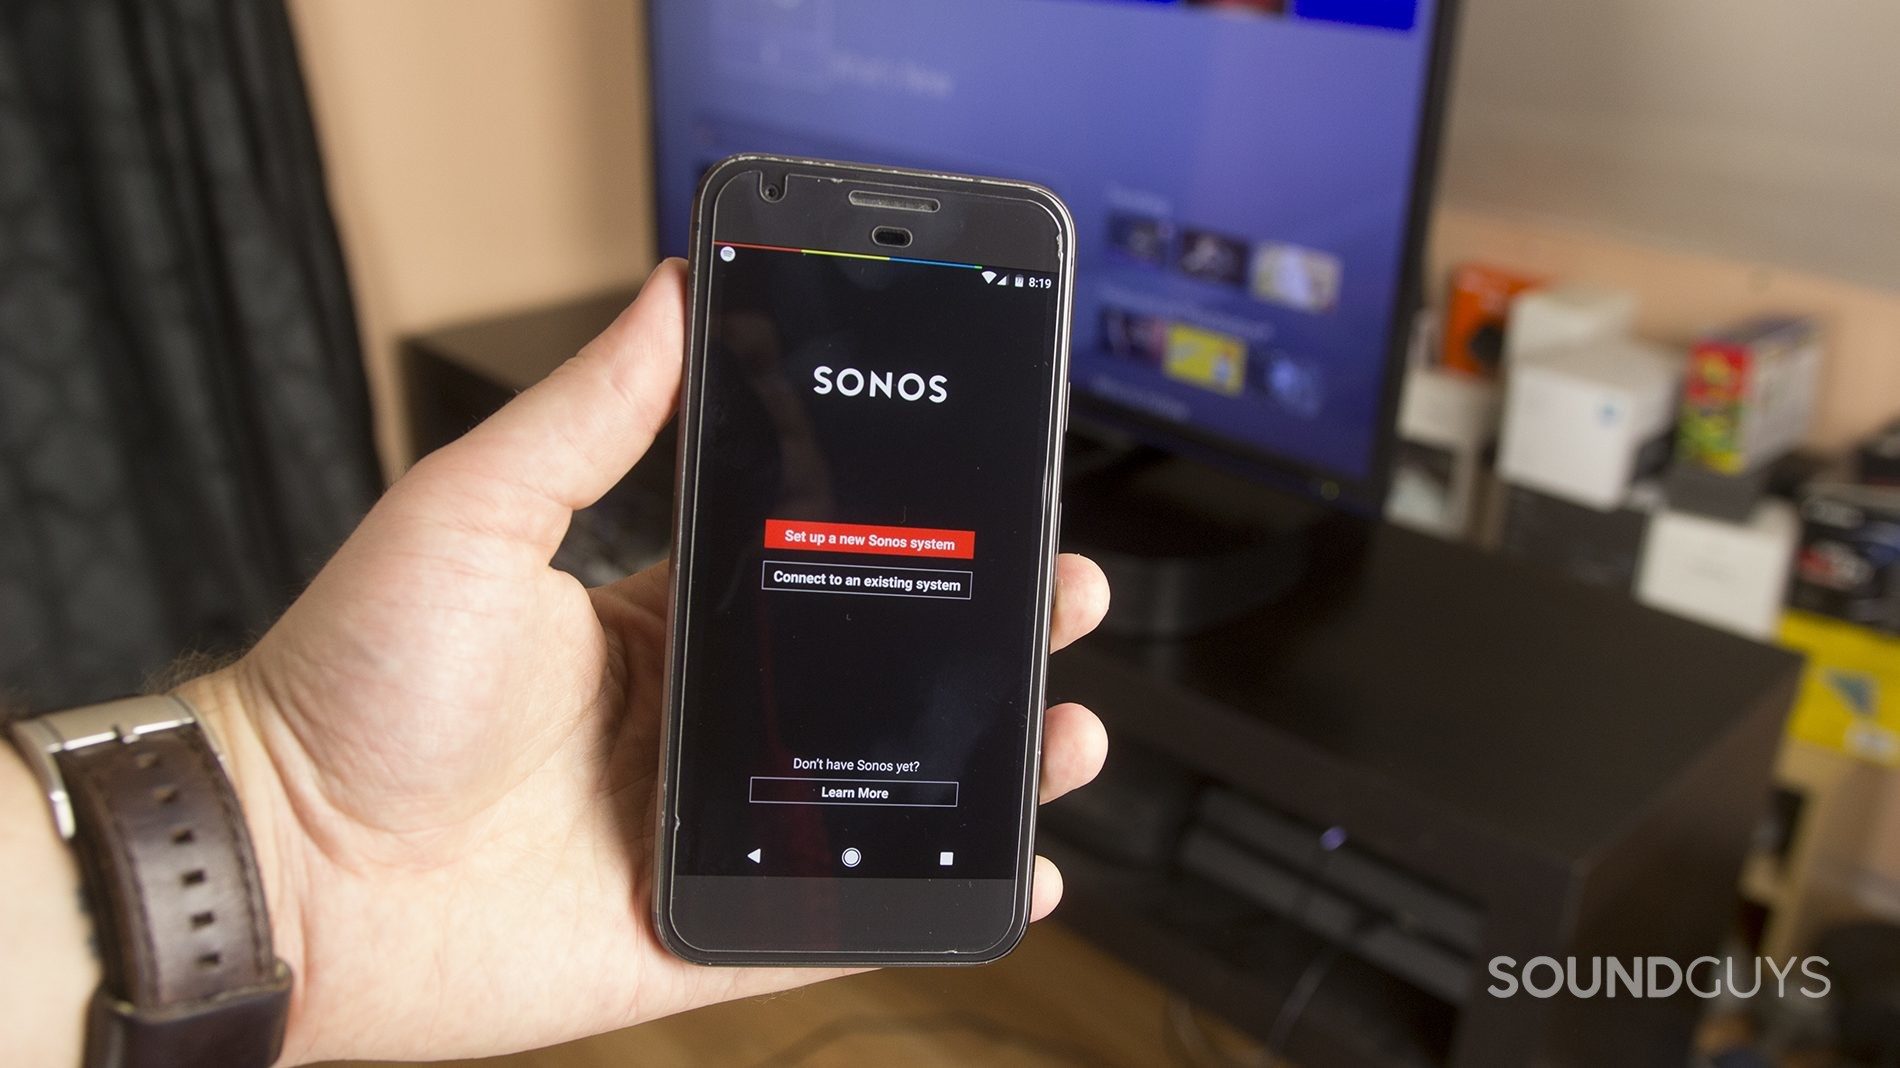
1567, 315
1447, 423
1583, 422
1728, 575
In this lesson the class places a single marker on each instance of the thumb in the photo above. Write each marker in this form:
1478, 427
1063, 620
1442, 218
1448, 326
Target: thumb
566, 441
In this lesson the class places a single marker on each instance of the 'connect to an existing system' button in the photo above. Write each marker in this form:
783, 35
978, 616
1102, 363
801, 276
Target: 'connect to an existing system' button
902, 793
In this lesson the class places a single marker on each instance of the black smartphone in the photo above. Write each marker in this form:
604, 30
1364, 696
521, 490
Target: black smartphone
870, 437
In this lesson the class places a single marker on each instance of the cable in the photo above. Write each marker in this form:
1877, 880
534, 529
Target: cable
1188, 1040
1294, 1005
846, 1027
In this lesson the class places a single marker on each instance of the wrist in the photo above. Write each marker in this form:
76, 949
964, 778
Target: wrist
46, 922
228, 703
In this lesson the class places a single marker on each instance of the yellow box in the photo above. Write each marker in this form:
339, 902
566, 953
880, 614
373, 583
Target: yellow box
1850, 690
1207, 359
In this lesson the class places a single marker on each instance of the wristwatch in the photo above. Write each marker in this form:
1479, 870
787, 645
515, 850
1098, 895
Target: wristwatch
191, 978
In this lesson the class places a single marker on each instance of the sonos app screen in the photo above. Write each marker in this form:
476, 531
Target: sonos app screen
861, 629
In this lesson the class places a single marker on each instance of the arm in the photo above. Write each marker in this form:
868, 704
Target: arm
446, 754
47, 965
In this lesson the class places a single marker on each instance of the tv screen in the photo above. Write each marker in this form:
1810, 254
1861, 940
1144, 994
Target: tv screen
1244, 177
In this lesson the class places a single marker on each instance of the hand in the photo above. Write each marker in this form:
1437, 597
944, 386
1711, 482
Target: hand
447, 750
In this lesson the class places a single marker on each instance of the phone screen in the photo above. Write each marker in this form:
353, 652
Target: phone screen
863, 599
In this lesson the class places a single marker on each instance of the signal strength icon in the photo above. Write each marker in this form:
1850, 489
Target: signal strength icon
989, 277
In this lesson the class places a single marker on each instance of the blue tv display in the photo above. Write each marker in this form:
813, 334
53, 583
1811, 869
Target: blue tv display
1246, 178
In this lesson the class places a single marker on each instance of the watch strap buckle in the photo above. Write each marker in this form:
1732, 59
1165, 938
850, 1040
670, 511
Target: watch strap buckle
42, 739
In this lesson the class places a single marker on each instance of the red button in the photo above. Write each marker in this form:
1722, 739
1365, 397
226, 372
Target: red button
801, 535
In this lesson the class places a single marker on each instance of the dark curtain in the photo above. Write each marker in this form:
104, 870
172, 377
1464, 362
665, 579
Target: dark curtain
184, 426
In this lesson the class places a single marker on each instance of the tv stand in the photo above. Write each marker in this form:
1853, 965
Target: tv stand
1519, 764
1186, 546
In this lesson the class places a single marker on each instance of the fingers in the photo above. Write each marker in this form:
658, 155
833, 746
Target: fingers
570, 438
1074, 746
1045, 892
1081, 599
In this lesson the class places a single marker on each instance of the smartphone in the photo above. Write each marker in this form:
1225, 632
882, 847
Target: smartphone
870, 441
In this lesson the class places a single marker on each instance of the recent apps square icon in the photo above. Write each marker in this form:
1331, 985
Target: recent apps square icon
1296, 277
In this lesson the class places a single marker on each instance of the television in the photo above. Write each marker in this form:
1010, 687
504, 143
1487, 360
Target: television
1249, 180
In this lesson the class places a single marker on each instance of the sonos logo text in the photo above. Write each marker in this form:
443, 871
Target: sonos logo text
851, 382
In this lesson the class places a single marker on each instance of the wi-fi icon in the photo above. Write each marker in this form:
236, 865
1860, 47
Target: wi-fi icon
988, 277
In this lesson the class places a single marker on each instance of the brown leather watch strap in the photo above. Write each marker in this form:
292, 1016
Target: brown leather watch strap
190, 975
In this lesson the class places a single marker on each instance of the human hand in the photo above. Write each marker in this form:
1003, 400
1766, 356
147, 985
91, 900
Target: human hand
447, 750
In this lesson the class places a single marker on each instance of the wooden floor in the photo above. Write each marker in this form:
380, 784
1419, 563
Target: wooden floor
1056, 1001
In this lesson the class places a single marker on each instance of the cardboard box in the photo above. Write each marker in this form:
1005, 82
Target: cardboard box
1476, 310
1850, 690
1448, 423
1849, 565
1749, 394
1728, 575
1585, 422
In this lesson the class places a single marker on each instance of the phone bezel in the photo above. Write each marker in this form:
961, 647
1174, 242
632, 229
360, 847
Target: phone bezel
894, 921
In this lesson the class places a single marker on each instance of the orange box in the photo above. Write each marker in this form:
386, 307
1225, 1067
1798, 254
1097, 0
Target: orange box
1475, 313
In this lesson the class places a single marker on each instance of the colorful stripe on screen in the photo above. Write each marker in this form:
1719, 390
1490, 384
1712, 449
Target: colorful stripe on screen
849, 255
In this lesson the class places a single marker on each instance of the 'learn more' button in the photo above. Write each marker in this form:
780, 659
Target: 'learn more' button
901, 793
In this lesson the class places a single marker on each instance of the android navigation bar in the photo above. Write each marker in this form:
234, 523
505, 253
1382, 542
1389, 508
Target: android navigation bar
895, 793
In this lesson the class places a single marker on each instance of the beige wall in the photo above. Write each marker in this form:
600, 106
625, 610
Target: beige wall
483, 155
1759, 129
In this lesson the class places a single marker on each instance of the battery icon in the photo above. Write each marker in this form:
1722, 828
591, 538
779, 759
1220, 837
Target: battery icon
1019, 281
